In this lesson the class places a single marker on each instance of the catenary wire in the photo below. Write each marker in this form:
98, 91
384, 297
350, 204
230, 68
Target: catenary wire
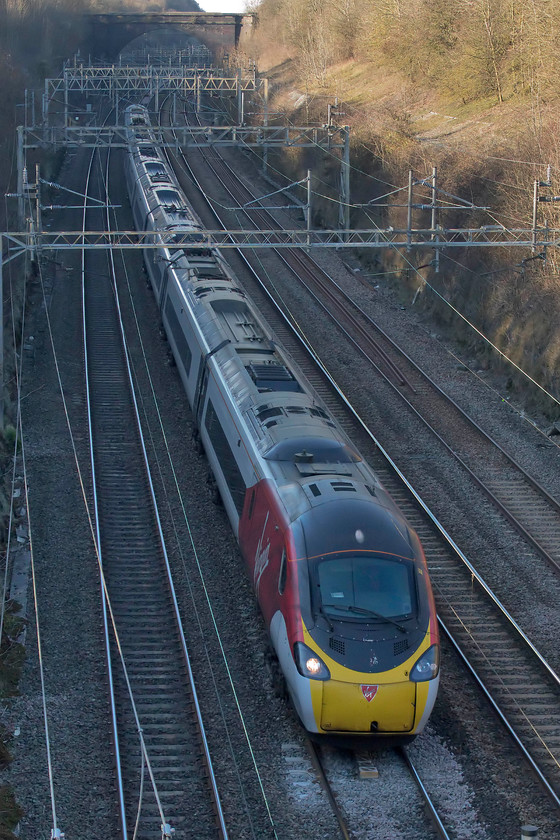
56, 833
55, 829
198, 562
476, 329
90, 522
145, 759
18, 374
463, 317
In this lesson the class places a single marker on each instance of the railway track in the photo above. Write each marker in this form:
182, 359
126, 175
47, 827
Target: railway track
165, 779
523, 688
387, 771
528, 506
429, 804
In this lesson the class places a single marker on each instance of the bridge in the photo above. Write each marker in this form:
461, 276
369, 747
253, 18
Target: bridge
111, 31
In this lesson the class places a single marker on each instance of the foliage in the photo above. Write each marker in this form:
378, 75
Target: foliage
9, 434
10, 813
12, 652
470, 48
468, 86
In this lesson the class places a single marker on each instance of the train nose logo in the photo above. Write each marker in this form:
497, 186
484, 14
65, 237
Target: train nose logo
369, 692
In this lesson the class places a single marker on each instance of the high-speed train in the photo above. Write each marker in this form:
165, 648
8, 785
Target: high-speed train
339, 575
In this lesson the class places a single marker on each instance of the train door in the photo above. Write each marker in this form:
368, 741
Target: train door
261, 537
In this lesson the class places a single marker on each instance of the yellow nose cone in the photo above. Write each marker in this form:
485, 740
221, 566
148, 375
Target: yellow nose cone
353, 707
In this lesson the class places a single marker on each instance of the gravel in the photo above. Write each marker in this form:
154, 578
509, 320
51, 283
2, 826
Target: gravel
520, 577
477, 778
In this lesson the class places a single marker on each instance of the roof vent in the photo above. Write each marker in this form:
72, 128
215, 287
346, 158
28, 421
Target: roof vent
265, 413
148, 151
209, 271
318, 412
272, 377
343, 485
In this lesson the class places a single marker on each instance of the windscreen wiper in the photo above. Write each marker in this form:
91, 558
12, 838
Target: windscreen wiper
323, 614
364, 611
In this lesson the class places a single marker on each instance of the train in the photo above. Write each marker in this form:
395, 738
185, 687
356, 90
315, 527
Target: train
340, 576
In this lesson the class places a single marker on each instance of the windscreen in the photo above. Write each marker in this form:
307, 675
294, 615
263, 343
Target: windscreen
363, 586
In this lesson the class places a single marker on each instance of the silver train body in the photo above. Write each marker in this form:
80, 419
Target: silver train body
340, 576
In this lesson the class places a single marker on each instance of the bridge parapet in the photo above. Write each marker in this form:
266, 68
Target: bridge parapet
111, 31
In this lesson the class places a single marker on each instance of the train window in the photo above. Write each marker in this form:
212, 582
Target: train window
365, 587
283, 573
226, 458
251, 505
181, 342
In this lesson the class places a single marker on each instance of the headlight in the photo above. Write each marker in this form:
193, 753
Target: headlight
427, 667
309, 664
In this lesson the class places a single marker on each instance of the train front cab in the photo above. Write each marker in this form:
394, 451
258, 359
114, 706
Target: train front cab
360, 658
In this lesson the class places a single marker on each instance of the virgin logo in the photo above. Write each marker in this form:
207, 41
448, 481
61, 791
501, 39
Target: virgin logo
262, 557
369, 692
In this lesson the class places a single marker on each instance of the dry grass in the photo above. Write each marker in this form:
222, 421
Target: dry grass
475, 145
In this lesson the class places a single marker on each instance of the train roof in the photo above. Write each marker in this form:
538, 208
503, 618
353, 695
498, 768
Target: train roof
276, 401
289, 424
355, 525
